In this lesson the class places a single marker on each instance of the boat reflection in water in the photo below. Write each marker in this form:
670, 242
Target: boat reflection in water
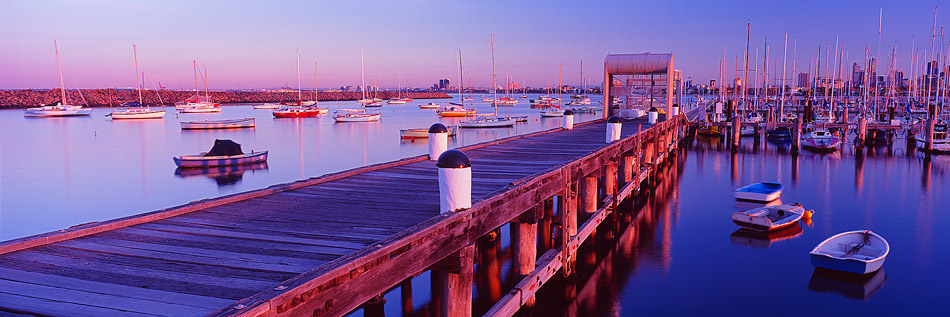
758, 239
853, 286
223, 175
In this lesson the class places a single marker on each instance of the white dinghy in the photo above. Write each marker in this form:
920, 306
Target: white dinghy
859, 252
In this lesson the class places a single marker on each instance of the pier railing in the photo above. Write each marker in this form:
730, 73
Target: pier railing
445, 243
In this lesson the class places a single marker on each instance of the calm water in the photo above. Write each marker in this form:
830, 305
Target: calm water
690, 260
686, 258
59, 172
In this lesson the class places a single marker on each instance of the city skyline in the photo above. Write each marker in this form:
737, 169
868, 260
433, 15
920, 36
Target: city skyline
248, 45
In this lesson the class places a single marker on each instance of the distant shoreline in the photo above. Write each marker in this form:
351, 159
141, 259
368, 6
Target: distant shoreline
25, 98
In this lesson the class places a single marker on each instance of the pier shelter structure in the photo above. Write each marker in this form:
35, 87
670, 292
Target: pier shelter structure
638, 79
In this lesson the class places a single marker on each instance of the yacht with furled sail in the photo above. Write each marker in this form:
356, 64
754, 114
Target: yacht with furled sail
199, 103
63, 108
139, 110
490, 120
358, 115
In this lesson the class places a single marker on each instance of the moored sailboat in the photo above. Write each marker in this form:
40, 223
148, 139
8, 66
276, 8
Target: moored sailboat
136, 110
63, 108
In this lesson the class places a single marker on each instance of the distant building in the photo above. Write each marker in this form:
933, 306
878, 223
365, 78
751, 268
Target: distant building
443, 83
872, 70
857, 76
512, 86
898, 79
712, 84
803, 80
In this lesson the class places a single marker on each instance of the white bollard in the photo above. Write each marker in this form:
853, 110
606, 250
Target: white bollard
438, 140
455, 181
652, 115
676, 110
568, 120
613, 129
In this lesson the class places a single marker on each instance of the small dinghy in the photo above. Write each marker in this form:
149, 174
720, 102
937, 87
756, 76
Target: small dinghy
769, 218
764, 191
859, 252
223, 153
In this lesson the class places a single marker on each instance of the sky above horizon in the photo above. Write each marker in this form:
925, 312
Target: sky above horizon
252, 44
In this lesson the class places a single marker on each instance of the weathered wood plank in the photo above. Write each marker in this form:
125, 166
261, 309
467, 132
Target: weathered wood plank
43, 293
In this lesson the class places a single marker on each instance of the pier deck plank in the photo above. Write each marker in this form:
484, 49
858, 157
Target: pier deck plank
200, 261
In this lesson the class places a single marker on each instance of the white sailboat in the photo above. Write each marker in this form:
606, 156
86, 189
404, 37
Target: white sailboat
492, 120
198, 103
140, 111
358, 115
398, 100
63, 109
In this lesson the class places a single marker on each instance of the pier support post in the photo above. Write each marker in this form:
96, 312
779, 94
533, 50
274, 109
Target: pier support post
375, 307
588, 195
568, 123
626, 168
568, 205
929, 145
736, 126
438, 140
524, 244
862, 131
405, 290
610, 178
545, 240
455, 291
797, 135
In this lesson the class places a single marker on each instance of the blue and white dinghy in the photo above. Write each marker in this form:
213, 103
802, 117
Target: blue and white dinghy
859, 252
764, 191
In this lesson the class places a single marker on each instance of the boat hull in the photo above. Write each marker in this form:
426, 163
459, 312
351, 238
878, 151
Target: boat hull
769, 218
423, 133
68, 111
764, 191
300, 113
358, 118
833, 253
190, 161
201, 109
218, 124
147, 114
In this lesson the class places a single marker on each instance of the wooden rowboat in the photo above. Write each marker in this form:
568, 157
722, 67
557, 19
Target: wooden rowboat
423, 133
764, 191
218, 124
859, 252
224, 153
769, 218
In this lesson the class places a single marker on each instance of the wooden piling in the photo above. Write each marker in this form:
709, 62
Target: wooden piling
929, 137
626, 168
797, 135
524, 245
610, 179
735, 133
862, 131
405, 290
588, 199
568, 205
545, 240
375, 307
456, 295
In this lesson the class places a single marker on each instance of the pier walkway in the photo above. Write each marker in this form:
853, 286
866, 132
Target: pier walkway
320, 246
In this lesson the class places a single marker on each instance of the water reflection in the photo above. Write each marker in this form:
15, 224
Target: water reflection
759, 239
852, 286
222, 175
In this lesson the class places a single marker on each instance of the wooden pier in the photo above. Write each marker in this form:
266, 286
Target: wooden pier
327, 245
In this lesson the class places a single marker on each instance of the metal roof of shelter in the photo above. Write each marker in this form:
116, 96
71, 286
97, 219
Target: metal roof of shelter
638, 64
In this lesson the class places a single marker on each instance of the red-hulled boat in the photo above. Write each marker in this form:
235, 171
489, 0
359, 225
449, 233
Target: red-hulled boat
297, 111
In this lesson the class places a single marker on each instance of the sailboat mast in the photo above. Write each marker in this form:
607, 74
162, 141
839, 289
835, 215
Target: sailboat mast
461, 82
315, 99
494, 93
362, 74
207, 92
194, 64
136, 54
62, 87
299, 96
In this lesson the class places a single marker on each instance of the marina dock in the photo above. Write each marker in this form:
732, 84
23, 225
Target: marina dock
326, 245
